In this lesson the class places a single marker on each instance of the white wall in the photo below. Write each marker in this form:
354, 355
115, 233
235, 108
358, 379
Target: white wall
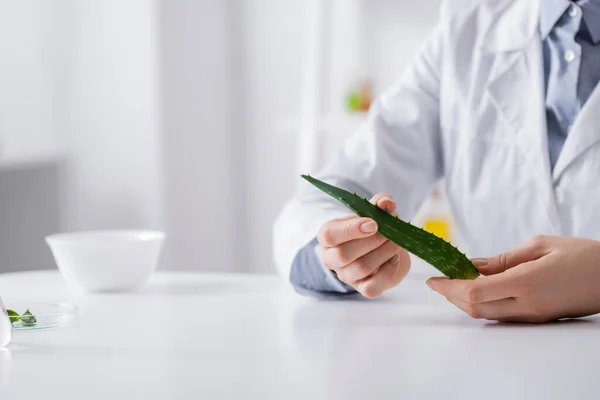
273, 43
171, 112
111, 115
29, 210
28, 65
396, 29
141, 93
32, 60
204, 208
149, 129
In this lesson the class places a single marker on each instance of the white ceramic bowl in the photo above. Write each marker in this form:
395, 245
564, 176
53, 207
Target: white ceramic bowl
109, 260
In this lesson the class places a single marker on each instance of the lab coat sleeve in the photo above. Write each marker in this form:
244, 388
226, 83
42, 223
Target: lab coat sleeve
397, 151
309, 277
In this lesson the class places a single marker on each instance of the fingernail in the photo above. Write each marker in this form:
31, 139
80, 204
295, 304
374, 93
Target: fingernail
386, 198
368, 227
430, 284
479, 262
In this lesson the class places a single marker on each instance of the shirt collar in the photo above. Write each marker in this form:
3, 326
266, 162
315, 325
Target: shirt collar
552, 10
550, 13
591, 16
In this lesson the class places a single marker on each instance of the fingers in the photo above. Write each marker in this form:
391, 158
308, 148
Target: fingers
388, 276
505, 310
486, 298
346, 253
361, 257
476, 291
369, 263
347, 217
532, 250
497, 297
506, 293
351, 227
338, 231
385, 202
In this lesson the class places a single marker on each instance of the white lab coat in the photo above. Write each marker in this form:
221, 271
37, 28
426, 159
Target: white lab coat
469, 109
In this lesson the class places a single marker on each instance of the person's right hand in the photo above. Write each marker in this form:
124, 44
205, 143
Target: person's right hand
360, 256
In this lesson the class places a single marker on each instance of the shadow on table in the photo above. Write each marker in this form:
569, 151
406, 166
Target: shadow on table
404, 294
351, 313
357, 312
579, 323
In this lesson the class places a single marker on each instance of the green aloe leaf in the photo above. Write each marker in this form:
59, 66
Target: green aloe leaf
434, 250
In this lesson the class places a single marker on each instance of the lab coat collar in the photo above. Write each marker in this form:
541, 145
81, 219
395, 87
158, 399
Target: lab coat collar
514, 24
583, 135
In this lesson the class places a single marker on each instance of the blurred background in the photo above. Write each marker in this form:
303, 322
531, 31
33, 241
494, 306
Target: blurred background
190, 116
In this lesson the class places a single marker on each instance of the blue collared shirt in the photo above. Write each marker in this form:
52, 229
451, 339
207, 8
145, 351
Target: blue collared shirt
570, 33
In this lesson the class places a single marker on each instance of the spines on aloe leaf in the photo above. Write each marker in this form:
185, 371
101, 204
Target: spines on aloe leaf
434, 250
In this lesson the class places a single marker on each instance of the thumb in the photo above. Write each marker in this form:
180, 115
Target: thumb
530, 251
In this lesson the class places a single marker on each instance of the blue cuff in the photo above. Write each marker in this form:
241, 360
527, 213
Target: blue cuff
309, 277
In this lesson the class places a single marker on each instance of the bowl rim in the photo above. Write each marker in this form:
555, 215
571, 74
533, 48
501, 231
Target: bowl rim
123, 235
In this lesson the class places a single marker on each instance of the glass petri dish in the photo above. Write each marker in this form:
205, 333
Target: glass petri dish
46, 315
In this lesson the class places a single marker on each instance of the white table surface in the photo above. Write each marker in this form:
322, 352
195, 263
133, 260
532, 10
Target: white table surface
197, 336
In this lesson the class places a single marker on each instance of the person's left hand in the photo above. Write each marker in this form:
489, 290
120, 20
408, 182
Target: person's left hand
546, 279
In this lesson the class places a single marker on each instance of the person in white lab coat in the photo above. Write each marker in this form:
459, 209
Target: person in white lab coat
501, 103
